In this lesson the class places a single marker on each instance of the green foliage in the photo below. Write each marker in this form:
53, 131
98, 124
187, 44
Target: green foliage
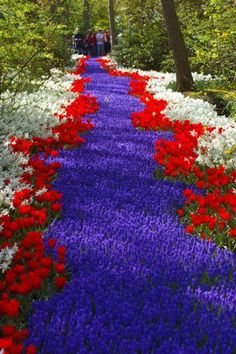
34, 33
208, 26
98, 14
210, 36
143, 41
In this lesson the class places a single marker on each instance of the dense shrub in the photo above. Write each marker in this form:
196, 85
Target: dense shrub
34, 36
210, 34
143, 44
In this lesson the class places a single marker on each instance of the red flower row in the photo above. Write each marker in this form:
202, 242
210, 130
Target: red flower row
33, 268
211, 215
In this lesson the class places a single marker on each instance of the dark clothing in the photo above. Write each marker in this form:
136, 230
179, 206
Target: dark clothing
107, 47
107, 43
79, 41
92, 50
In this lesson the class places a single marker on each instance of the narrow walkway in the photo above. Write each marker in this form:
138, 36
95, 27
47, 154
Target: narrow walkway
131, 262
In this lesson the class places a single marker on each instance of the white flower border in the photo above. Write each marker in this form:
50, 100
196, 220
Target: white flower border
26, 116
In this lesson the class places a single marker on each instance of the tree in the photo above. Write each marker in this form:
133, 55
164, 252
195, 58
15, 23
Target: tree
33, 39
86, 15
144, 41
112, 22
184, 78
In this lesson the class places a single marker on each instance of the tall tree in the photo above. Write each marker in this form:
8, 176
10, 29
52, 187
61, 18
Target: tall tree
86, 15
112, 21
183, 72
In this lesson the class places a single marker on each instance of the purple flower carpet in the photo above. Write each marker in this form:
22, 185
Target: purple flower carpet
138, 283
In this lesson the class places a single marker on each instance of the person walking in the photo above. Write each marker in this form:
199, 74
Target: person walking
100, 43
79, 42
91, 41
107, 42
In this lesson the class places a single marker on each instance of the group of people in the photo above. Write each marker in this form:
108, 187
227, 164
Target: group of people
93, 44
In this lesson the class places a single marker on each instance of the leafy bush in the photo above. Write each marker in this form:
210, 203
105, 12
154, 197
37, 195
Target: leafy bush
35, 39
210, 35
143, 44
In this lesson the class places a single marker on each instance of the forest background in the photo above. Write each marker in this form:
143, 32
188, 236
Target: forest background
35, 36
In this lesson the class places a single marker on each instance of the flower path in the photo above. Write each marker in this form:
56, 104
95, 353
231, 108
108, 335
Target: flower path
134, 271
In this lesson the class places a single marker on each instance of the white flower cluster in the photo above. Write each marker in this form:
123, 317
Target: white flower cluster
219, 147
215, 148
27, 115
76, 57
6, 256
183, 107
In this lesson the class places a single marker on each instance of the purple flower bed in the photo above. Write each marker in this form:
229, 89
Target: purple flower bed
139, 284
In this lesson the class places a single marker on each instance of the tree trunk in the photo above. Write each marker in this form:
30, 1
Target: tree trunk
184, 78
86, 16
112, 22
